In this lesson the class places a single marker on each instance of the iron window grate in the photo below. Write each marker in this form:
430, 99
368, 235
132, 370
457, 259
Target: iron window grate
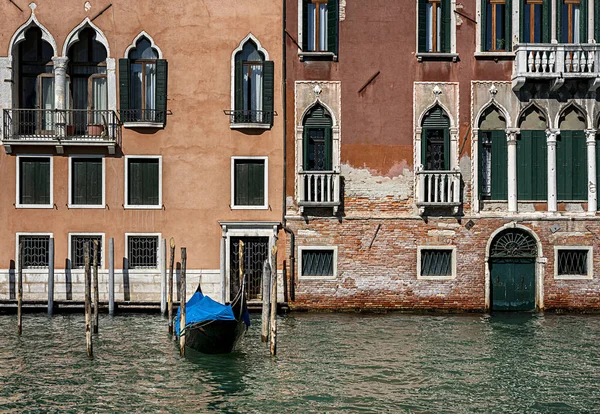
317, 263
572, 262
77, 250
142, 252
435, 262
35, 254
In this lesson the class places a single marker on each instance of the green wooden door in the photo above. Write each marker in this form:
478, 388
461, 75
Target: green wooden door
513, 284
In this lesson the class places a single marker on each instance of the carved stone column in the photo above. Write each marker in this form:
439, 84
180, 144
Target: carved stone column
60, 94
591, 156
552, 192
511, 140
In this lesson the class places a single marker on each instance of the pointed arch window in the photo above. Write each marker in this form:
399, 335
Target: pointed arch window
532, 157
435, 141
254, 88
493, 153
143, 85
317, 140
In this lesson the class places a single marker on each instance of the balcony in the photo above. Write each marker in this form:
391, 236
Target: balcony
249, 119
319, 189
438, 189
556, 63
143, 118
72, 127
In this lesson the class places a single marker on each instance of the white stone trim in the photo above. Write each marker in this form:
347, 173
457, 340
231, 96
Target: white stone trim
452, 52
152, 270
73, 36
70, 252
453, 270
589, 264
126, 205
578, 108
19, 35
238, 49
301, 250
18, 181
17, 258
266, 183
543, 111
591, 20
70, 184
137, 38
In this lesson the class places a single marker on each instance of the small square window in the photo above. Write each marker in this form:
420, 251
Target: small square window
142, 252
319, 28
318, 262
78, 242
143, 182
249, 184
436, 262
86, 182
34, 175
573, 263
35, 251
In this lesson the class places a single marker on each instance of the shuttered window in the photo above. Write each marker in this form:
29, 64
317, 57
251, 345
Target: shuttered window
571, 166
434, 27
34, 180
493, 165
249, 182
532, 167
318, 262
535, 21
572, 24
143, 180
320, 26
86, 181
496, 16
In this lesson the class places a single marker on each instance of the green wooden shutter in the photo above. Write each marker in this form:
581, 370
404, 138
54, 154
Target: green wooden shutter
484, 26
305, 140
124, 75
241, 182
332, 26
546, 21
597, 163
424, 148
571, 166
328, 150
539, 171
480, 162
256, 184
499, 166
522, 21
558, 20
239, 79
597, 24
150, 182
35, 181
446, 27
446, 149
134, 183
27, 182
508, 26
305, 25
162, 74
42, 172
524, 166
78, 182
268, 91
583, 21
94, 176
422, 29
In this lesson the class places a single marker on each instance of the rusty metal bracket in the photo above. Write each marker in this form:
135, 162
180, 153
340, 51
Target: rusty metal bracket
371, 79
375, 235
16, 5
102, 11
465, 16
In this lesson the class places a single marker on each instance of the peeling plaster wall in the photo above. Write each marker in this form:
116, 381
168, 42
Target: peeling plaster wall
361, 182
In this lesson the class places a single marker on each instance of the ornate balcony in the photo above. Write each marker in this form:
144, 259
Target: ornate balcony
556, 63
74, 127
438, 189
319, 189
248, 119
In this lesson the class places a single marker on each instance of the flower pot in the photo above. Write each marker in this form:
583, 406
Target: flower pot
95, 130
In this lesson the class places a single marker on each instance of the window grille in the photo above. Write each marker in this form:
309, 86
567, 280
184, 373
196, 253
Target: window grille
142, 252
572, 262
436, 262
317, 263
77, 250
35, 252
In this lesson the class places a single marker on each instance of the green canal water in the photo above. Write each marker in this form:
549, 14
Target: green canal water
326, 363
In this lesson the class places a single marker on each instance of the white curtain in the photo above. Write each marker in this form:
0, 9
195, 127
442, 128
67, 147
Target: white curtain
429, 27
312, 15
99, 100
322, 27
47, 102
576, 17
150, 89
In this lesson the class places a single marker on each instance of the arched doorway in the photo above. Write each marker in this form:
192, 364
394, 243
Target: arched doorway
512, 260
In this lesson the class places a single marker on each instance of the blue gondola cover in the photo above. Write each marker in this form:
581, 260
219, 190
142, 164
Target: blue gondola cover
202, 308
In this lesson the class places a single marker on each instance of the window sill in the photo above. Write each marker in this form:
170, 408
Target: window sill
249, 126
34, 206
437, 56
92, 206
435, 277
317, 56
573, 277
136, 207
316, 278
143, 124
249, 207
495, 55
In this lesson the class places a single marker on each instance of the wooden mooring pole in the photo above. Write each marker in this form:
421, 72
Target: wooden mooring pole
163, 276
170, 297
51, 277
20, 291
96, 294
266, 301
182, 304
273, 346
111, 276
88, 328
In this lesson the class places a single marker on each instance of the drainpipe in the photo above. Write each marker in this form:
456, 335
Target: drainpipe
292, 289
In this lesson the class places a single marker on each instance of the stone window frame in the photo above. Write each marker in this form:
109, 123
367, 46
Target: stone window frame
265, 205
101, 252
453, 54
590, 263
451, 248
325, 55
18, 235
159, 205
159, 258
18, 181
301, 250
70, 184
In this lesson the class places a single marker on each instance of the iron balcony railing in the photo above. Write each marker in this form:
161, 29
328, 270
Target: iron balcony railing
556, 62
143, 115
251, 117
438, 189
34, 125
319, 189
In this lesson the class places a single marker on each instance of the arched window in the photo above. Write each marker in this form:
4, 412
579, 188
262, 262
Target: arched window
435, 141
143, 84
532, 157
317, 140
572, 21
571, 157
254, 83
493, 163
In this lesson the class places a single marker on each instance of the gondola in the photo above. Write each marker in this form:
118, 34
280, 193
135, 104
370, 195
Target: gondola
214, 328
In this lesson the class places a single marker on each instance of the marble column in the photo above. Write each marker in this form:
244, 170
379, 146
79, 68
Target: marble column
511, 140
552, 193
591, 164
60, 93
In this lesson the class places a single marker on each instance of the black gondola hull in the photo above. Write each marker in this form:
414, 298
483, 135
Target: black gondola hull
215, 337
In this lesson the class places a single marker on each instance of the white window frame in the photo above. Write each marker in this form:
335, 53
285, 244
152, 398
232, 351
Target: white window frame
18, 181
421, 248
301, 250
590, 263
70, 195
301, 51
17, 258
126, 204
515, 22
438, 55
266, 183
86, 234
158, 253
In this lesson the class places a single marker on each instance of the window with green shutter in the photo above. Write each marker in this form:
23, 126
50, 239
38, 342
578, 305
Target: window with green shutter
435, 141
317, 140
572, 21
535, 21
320, 26
571, 166
249, 182
532, 166
597, 22
434, 26
34, 181
493, 165
143, 181
86, 181
496, 19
